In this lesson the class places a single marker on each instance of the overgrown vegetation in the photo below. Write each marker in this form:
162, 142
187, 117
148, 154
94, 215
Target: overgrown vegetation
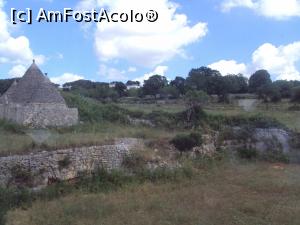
93, 111
240, 193
101, 182
186, 142
248, 153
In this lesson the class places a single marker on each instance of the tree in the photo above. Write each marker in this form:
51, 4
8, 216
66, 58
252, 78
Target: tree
286, 87
236, 84
179, 83
195, 98
154, 85
120, 88
134, 92
204, 79
259, 79
195, 101
170, 92
296, 95
269, 93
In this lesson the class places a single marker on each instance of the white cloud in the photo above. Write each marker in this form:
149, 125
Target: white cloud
14, 50
278, 9
66, 77
228, 67
147, 44
17, 71
132, 69
112, 74
281, 62
230, 4
159, 70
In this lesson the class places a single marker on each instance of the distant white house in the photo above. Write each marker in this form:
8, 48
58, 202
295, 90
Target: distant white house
112, 84
132, 85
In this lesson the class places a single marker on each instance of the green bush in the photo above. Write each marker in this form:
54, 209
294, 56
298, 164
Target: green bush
185, 142
247, 153
93, 111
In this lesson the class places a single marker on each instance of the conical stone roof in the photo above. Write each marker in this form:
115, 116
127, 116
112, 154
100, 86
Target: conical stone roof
33, 87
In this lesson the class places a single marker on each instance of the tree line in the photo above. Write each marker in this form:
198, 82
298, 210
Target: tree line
203, 79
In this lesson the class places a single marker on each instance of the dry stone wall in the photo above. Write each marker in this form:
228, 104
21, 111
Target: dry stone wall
38, 170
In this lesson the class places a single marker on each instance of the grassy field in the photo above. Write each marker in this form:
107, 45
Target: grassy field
148, 108
278, 111
19, 140
83, 135
231, 193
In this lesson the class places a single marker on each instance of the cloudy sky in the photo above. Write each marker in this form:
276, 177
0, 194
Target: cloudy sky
233, 36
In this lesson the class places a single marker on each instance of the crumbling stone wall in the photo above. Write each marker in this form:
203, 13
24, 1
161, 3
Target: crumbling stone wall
40, 169
39, 115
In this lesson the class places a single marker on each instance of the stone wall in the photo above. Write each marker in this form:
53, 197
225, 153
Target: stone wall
40, 115
40, 169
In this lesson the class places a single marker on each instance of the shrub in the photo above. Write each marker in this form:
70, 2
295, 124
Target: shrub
93, 111
247, 153
64, 163
192, 116
184, 142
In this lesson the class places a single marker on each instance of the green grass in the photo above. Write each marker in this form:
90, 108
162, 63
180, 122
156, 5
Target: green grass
105, 122
88, 134
230, 193
148, 108
280, 112
11, 144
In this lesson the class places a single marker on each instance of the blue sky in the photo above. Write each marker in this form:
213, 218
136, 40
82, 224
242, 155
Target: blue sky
233, 36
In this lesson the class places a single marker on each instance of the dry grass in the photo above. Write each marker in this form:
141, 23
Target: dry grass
239, 194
